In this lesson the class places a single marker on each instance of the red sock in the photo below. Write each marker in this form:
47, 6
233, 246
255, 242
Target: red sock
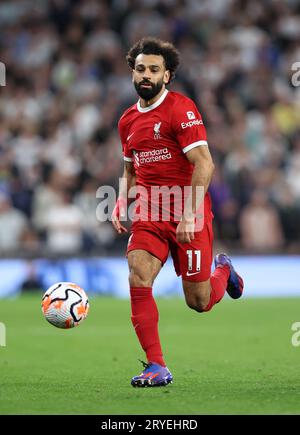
144, 317
218, 282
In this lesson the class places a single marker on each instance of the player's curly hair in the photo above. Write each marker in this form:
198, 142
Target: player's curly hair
149, 45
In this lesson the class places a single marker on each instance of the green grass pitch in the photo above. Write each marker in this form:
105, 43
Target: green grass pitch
237, 359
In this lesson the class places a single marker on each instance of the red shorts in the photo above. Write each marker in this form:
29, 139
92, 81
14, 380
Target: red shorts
191, 260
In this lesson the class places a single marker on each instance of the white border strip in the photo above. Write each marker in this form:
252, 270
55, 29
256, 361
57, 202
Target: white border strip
194, 145
128, 159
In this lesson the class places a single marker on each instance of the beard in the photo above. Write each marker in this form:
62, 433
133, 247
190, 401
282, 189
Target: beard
148, 93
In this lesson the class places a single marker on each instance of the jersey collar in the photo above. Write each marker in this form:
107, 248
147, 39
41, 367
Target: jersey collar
154, 105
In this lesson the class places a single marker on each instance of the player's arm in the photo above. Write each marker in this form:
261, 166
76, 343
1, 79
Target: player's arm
127, 181
201, 158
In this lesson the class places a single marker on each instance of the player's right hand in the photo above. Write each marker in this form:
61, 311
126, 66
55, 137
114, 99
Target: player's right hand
185, 231
119, 211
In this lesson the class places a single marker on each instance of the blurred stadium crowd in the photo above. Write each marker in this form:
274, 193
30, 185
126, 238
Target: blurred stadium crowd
67, 83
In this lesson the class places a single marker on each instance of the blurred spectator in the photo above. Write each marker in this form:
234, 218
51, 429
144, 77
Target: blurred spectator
289, 215
13, 224
64, 225
94, 230
260, 225
47, 196
225, 208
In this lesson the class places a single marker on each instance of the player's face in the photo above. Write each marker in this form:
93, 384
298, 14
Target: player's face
149, 75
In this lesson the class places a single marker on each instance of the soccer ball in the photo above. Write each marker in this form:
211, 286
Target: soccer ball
65, 305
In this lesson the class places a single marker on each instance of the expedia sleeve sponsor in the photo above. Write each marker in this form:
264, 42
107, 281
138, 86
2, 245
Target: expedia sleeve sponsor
191, 123
187, 125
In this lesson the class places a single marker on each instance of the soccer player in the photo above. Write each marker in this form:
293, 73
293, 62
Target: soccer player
164, 144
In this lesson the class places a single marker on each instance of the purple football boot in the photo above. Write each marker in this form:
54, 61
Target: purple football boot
235, 284
153, 375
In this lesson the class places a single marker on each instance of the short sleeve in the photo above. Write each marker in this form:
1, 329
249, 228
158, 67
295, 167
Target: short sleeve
127, 153
188, 126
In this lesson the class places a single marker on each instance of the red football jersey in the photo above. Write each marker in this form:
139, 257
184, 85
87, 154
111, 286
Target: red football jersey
157, 137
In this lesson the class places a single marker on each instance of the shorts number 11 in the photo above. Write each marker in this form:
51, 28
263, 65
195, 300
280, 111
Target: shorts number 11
191, 255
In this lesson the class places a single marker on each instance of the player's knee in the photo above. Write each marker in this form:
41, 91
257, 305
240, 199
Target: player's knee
139, 278
197, 303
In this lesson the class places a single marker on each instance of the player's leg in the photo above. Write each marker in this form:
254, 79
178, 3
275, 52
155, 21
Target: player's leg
202, 296
197, 294
235, 284
202, 288
144, 268
147, 251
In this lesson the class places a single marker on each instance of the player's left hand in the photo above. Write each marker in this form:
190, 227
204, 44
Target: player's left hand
185, 231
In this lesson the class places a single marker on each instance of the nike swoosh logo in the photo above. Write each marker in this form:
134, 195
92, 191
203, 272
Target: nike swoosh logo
128, 137
190, 274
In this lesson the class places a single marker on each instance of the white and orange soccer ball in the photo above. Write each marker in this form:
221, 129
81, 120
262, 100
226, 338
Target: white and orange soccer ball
65, 305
